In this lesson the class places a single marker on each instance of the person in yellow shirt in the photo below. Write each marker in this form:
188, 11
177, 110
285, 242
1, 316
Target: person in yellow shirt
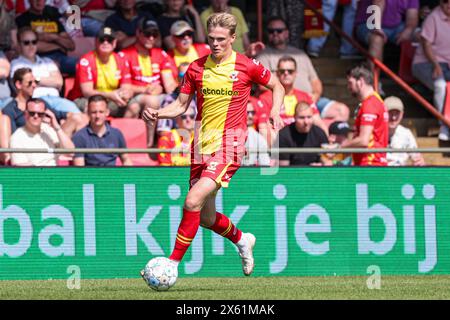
242, 41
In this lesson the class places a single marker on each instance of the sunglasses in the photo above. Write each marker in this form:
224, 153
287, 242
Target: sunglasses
185, 116
184, 35
33, 113
276, 30
29, 42
153, 33
30, 83
107, 39
283, 71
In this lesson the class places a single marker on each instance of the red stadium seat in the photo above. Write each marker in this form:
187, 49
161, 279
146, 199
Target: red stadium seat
68, 85
82, 46
407, 51
135, 133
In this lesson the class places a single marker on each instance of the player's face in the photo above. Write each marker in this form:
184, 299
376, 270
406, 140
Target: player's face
220, 40
28, 44
304, 120
184, 40
98, 112
286, 73
148, 38
395, 117
277, 33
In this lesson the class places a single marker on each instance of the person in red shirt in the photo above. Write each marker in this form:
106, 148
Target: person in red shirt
222, 82
104, 72
152, 71
185, 50
286, 72
372, 118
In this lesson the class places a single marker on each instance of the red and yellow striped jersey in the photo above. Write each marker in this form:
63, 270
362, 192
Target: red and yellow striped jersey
222, 94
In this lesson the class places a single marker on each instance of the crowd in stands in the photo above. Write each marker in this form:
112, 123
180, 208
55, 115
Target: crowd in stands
128, 55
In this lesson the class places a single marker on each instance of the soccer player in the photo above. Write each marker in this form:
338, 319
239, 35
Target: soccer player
371, 123
222, 81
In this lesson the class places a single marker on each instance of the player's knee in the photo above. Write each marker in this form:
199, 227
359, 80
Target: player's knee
192, 203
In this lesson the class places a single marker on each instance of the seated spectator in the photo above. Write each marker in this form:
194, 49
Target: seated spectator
287, 73
125, 22
432, 58
53, 41
399, 20
152, 70
178, 10
45, 71
179, 138
99, 134
14, 117
329, 8
8, 38
185, 50
41, 131
399, 136
242, 41
278, 37
338, 133
5, 91
255, 141
301, 134
104, 72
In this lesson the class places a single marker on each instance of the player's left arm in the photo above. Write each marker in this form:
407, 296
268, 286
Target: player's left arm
277, 100
173, 110
362, 140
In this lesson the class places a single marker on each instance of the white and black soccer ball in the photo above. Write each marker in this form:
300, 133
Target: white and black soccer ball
160, 273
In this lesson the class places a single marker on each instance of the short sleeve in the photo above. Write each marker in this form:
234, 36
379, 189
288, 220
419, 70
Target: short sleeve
429, 29
85, 70
258, 73
79, 142
125, 75
188, 82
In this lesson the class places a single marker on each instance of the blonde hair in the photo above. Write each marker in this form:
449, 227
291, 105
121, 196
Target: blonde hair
224, 20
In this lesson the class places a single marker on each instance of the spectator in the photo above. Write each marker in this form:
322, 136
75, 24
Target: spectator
301, 134
41, 130
104, 72
93, 14
185, 50
5, 91
255, 141
287, 73
278, 36
399, 136
329, 8
338, 133
53, 41
14, 116
291, 11
178, 10
8, 38
99, 134
125, 22
371, 123
153, 71
432, 58
45, 71
399, 20
179, 138
242, 41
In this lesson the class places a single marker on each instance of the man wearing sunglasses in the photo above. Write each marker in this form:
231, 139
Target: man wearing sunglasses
185, 49
41, 131
153, 72
104, 72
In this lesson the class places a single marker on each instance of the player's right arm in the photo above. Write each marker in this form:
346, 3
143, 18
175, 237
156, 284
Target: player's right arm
173, 110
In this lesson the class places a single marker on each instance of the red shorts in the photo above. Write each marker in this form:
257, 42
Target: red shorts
221, 173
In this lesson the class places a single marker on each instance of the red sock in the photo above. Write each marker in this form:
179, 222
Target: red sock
226, 228
186, 232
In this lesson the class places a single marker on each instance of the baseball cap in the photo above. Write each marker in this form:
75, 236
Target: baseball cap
393, 103
180, 27
339, 127
106, 32
147, 23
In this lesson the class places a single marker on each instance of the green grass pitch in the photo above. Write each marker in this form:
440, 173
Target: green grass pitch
252, 288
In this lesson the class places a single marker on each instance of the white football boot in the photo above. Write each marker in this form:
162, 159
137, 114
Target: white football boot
245, 246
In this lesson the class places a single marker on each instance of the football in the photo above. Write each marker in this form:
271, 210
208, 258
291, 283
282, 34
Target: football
160, 273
